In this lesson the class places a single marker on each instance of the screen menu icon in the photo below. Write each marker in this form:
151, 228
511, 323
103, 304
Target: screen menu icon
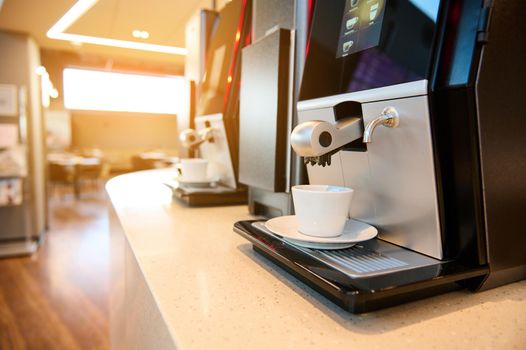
361, 26
351, 23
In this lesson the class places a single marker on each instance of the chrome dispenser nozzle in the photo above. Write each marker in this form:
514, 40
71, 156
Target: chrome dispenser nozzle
318, 140
389, 118
191, 139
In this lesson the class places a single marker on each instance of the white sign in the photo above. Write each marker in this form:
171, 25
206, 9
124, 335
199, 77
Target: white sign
8, 100
10, 192
8, 135
58, 129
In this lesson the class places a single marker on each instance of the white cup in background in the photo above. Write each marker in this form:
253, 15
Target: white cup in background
321, 210
194, 169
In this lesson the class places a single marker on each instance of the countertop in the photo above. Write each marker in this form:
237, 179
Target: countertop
215, 292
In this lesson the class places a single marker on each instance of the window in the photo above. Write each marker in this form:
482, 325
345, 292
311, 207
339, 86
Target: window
105, 91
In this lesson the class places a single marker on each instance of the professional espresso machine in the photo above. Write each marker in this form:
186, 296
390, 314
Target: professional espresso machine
214, 135
417, 106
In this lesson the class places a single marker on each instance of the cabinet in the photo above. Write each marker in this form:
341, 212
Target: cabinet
22, 161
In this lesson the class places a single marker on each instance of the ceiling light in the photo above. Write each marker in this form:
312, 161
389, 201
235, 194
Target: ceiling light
53, 93
46, 86
72, 15
40, 70
123, 44
141, 34
80, 8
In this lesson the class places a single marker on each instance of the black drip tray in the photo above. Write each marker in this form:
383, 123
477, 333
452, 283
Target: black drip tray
366, 259
212, 196
368, 276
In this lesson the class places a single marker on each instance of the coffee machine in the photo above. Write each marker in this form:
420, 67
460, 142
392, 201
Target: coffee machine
416, 105
215, 130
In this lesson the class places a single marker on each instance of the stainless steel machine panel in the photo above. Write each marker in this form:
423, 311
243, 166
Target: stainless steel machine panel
270, 14
394, 180
402, 175
217, 152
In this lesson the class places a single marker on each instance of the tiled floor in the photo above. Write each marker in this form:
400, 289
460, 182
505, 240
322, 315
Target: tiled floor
58, 298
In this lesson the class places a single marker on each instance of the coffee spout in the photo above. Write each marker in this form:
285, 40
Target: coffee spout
318, 140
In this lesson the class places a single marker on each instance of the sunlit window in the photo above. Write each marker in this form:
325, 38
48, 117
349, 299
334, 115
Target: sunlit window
105, 91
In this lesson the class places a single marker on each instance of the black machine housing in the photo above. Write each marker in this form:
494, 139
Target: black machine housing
219, 93
475, 77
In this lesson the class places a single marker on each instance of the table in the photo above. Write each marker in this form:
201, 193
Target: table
182, 279
72, 169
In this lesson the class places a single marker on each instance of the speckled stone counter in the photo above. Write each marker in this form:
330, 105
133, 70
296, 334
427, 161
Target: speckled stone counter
182, 279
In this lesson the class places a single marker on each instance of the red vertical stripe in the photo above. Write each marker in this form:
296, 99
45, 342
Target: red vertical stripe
234, 56
310, 11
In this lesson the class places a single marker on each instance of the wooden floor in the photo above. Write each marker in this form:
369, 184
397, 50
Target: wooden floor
58, 298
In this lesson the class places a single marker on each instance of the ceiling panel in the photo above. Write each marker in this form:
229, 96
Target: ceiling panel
163, 19
98, 21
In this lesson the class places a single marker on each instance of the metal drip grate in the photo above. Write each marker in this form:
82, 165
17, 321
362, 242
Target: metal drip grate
357, 260
365, 259
362, 259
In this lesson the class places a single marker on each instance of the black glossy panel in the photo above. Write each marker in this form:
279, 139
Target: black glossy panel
264, 112
458, 56
453, 110
502, 130
212, 88
458, 174
402, 55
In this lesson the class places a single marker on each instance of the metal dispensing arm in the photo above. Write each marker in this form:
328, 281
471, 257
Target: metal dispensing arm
191, 139
318, 140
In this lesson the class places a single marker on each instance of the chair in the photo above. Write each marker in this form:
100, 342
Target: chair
60, 176
89, 175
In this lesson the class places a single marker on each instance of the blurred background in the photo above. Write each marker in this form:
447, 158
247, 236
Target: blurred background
89, 90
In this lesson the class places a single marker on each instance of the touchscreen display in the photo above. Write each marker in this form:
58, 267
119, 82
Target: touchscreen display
361, 26
357, 45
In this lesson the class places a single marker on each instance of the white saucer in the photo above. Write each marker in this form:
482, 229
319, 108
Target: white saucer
209, 182
353, 232
327, 246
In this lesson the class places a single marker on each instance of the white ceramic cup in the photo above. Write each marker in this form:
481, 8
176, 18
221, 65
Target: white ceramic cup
194, 169
321, 210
